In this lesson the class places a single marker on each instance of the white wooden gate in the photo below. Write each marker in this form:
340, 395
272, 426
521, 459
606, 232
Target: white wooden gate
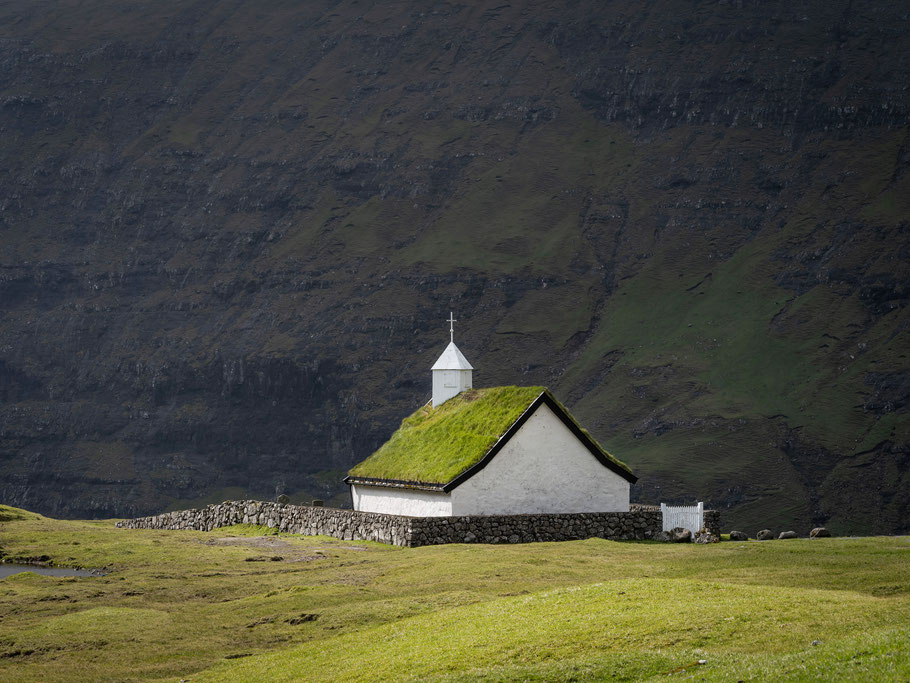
691, 517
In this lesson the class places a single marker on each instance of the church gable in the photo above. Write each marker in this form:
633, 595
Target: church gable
544, 467
560, 413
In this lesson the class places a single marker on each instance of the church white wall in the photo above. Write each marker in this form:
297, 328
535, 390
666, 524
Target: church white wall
449, 383
543, 468
396, 501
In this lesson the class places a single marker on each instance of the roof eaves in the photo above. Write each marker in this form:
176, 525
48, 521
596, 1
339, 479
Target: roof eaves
394, 483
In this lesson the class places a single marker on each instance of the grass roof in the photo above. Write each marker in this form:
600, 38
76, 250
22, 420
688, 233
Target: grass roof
435, 445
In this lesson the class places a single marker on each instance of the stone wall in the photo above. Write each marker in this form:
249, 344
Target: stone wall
295, 519
712, 522
640, 523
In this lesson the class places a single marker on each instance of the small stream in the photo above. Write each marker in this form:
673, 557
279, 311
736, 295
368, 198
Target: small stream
10, 569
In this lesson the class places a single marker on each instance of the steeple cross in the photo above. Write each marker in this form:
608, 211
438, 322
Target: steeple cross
452, 322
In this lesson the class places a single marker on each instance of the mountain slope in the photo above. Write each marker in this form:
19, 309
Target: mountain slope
230, 235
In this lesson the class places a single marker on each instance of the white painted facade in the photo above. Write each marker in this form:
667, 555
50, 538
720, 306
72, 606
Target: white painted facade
543, 468
452, 374
401, 501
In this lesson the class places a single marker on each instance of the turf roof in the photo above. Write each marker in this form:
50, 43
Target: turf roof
434, 446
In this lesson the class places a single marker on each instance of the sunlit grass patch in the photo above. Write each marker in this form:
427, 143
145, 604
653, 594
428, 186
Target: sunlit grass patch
11, 514
572, 625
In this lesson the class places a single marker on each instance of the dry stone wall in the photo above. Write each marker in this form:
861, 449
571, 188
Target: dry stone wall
295, 519
712, 522
640, 523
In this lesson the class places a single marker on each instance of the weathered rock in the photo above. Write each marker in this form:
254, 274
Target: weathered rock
787, 534
705, 536
764, 535
739, 536
819, 532
680, 535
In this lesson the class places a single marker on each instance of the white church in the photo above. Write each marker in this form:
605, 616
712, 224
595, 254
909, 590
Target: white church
492, 451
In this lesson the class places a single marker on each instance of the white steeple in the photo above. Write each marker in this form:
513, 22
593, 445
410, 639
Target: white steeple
451, 372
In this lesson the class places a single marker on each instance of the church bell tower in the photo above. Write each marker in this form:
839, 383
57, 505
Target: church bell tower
451, 372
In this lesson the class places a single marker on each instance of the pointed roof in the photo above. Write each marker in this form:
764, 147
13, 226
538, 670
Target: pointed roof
452, 359
439, 448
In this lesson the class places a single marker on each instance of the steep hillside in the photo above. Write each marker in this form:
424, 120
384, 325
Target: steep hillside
230, 234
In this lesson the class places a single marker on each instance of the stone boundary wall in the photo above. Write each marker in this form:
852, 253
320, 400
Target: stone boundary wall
712, 521
640, 523
308, 520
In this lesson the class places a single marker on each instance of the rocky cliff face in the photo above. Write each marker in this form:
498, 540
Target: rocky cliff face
230, 235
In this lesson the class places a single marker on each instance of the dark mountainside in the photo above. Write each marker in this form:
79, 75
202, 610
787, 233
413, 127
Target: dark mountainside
230, 234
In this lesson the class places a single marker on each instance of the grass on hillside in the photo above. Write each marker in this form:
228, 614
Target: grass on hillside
595, 631
215, 606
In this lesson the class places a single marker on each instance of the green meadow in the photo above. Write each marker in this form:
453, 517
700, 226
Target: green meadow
246, 604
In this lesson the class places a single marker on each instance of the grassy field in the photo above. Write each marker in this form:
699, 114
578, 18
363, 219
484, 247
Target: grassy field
243, 603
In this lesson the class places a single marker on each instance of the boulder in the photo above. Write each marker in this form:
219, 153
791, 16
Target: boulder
739, 536
680, 535
819, 532
787, 534
764, 535
705, 536
675, 535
